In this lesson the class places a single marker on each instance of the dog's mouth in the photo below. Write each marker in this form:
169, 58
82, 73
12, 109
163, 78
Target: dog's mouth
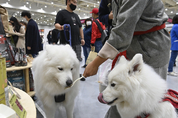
100, 98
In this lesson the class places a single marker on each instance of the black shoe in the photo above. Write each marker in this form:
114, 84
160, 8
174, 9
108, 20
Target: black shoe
83, 79
84, 66
174, 64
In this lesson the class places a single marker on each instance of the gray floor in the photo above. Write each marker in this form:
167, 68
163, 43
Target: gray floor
87, 105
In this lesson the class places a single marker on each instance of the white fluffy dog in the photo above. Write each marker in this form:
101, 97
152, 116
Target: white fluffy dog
55, 69
137, 90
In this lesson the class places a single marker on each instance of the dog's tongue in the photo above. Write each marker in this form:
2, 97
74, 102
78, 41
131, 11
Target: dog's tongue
100, 98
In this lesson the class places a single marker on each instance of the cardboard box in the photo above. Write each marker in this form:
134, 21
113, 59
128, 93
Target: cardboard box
17, 79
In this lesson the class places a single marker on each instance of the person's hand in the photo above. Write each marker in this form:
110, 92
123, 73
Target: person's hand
29, 48
111, 15
82, 42
91, 69
61, 27
92, 48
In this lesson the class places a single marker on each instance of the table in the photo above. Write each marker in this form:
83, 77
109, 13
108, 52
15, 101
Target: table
26, 69
27, 103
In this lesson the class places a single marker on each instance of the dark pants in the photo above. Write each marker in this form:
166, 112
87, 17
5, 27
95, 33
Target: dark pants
172, 60
77, 49
86, 51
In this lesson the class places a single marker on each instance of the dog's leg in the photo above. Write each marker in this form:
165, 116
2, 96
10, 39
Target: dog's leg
50, 112
69, 109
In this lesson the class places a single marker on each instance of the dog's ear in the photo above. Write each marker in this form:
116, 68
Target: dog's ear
48, 51
122, 59
136, 64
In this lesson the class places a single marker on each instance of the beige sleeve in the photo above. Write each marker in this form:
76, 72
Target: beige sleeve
108, 51
21, 33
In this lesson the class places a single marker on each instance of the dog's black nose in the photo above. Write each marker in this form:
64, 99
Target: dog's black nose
69, 82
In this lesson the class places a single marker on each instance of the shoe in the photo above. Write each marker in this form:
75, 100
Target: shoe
83, 79
174, 64
172, 74
84, 66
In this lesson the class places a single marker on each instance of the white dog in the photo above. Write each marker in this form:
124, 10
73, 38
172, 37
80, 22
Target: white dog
136, 90
55, 69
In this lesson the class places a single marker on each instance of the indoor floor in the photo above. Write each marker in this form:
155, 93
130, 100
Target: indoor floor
87, 104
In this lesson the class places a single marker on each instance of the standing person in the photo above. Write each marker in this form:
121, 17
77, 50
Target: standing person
55, 36
32, 37
19, 33
96, 34
105, 13
49, 37
67, 16
87, 38
138, 28
174, 46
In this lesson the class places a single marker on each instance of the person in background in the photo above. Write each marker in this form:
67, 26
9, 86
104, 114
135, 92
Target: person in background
174, 46
96, 34
49, 37
24, 25
105, 14
55, 36
32, 36
87, 38
67, 16
18, 34
138, 28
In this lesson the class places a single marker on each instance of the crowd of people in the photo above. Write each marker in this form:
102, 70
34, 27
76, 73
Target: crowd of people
129, 32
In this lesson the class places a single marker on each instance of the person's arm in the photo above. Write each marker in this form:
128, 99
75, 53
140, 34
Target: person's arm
93, 33
58, 26
58, 21
121, 36
21, 32
30, 36
82, 36
104, 12
92, 67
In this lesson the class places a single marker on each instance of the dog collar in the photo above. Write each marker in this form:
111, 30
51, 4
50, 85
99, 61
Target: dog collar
59, 98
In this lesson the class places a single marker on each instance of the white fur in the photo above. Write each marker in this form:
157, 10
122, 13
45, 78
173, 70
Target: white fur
138, 90
50, 81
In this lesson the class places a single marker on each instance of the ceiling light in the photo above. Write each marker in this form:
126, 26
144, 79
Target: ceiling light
98, 2
44, 15
176, 2
165, 9
27, 3
9, 0
45, 6
87, 5
52, 3
171, 12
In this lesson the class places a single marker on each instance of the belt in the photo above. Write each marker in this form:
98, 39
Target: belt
156, 28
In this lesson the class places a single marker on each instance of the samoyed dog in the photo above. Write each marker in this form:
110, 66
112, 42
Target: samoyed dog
137, 90
54, 70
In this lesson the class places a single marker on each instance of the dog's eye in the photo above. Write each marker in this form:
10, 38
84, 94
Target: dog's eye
61, 69
113, 85
71, 68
